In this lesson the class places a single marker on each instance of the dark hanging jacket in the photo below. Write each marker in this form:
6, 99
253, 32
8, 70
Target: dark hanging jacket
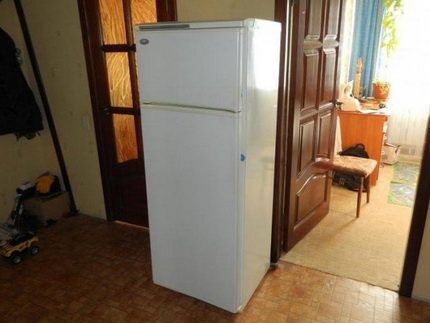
19, 112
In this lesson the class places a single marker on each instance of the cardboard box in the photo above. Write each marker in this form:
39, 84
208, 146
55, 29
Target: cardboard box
46, 208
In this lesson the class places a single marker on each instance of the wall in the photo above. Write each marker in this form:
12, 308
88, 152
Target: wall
422, 279
189, 10
21, 160
55, 28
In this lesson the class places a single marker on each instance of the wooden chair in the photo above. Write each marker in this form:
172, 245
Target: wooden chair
357, 166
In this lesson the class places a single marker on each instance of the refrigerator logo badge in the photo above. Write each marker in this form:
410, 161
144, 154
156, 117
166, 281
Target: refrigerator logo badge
144, 41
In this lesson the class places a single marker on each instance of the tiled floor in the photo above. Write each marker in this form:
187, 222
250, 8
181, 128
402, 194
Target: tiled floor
90, 270
369, 249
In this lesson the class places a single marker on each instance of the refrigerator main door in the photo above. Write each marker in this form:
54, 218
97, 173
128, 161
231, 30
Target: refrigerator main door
192, 163
191, 67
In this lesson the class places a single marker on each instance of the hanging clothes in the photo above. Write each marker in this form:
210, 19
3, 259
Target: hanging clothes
19, 112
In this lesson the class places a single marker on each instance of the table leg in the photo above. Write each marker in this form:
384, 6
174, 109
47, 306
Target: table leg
368, 188
360, 190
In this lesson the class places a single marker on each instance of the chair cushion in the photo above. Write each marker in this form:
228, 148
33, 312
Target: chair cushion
355, 165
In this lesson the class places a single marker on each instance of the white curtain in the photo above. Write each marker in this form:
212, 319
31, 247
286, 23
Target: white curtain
346, 45
345, 60
409, 73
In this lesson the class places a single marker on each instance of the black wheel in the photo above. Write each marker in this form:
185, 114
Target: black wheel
34, 250
16, 258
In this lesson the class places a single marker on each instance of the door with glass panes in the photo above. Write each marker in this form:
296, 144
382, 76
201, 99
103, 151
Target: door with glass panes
107, 29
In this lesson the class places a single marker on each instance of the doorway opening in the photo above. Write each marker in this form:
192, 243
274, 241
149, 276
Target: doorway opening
370, 248
107, 29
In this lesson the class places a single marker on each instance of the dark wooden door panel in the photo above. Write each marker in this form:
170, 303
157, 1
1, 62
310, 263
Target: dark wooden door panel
310, 197
314, 18
324, 142
315, 51
306, 143
310, 83
328, 76
333, 19
312, 205
107, 28
132, 204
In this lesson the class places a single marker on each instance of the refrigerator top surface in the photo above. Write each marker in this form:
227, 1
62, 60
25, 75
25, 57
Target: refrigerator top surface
246, 23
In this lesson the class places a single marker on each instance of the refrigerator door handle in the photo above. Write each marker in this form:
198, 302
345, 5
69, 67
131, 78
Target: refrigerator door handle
166, 26
181, 107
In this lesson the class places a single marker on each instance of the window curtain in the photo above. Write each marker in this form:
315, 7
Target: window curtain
346, 44
366, 40
409, 75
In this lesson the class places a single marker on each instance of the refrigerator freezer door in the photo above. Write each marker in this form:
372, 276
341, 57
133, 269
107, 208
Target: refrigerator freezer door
191, 67
192, 167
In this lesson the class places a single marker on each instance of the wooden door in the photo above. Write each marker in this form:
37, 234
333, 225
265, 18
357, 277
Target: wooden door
312, 113
110, 52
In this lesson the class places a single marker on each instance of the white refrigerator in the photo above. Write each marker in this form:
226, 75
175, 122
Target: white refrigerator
208, 94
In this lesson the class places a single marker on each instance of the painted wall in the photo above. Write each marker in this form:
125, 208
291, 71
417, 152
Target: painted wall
189, 10
422, 279
55, 28
21, 160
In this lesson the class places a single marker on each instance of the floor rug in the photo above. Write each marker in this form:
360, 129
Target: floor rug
370, 249
403, 184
